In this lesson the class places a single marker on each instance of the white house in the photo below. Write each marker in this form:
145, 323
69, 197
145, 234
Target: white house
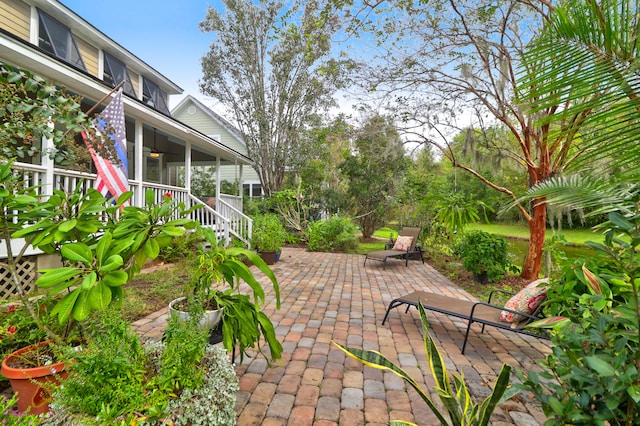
197, 115
50, 40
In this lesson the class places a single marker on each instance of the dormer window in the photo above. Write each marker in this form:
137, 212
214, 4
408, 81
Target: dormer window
57, 39
153, 96
115, 72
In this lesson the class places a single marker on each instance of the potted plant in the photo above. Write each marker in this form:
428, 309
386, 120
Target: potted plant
100, 243
100, 246
219, 278
485, 255
268, 235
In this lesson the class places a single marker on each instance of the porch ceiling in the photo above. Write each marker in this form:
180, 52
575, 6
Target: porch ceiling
18, 53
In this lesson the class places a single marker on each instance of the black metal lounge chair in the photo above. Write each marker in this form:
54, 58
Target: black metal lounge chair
400, 251
484, 313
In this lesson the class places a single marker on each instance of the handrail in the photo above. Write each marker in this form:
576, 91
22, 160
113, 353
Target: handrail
241, 225
210, 218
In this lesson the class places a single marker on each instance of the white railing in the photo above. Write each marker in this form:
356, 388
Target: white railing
240, 224
226, 220
234, 201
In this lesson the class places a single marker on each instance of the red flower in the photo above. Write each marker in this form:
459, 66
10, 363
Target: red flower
168, 195
11, 329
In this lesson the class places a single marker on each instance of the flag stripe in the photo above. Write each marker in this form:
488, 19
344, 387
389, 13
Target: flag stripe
112, 179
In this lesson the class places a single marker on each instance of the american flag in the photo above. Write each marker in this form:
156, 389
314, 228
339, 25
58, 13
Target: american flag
113, 176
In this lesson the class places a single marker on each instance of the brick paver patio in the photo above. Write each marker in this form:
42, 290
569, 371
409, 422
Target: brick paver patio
327, 297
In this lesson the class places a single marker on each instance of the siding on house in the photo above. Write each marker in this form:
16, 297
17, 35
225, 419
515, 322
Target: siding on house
89, 56
14, 18
198, 116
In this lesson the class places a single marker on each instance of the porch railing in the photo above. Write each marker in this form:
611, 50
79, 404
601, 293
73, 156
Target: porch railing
226, 219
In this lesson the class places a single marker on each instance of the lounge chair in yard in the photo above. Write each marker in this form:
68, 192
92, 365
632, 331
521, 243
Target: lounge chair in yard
404, 247
523, 308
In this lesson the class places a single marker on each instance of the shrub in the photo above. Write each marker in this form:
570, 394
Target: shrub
591, 376
334, 234
268, 233
484, 253
116, 379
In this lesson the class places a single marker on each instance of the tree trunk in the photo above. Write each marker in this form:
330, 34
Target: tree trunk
537, 230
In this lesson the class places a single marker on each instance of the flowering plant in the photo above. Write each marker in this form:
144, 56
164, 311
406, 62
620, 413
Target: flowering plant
17, 327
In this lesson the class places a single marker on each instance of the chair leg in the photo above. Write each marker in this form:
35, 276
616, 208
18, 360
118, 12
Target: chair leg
466, 337
393, 304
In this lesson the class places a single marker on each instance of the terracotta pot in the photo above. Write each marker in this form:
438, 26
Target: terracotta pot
33, 385
210, 319
269, 257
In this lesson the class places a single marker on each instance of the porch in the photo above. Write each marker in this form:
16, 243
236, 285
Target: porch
225, 216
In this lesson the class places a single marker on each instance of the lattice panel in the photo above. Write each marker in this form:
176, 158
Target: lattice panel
27, 273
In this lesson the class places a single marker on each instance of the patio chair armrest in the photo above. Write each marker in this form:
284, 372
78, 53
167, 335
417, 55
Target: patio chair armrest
497, 290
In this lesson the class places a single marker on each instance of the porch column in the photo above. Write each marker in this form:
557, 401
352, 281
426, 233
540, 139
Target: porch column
187, 167
240, 182
48, 163
218, 178
138, 190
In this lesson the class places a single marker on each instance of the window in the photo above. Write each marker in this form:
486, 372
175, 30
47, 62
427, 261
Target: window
116, 72
57, 39
153, 96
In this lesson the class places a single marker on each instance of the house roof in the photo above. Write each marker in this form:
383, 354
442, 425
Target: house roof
90, 33
233, 131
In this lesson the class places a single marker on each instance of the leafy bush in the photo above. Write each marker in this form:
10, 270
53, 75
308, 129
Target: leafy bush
181, 247
115, 378
334, 234
482, 253
591, 376
268, 233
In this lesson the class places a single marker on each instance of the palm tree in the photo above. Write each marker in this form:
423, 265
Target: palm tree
587, 62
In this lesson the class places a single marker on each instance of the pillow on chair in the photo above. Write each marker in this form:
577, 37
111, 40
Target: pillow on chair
403, 243
526, 301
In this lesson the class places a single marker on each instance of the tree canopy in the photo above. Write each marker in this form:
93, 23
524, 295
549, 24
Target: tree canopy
271, 67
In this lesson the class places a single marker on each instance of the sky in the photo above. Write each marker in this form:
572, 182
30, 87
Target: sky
163, 33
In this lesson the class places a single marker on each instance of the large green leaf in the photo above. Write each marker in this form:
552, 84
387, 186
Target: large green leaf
113, 262
77, 252
100, 297
115, 278
52, 277
102, 248
151, 249
64, 308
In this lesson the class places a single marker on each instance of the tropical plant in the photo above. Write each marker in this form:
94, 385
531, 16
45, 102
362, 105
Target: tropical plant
484, 253
457, 400
215, 282
101, 246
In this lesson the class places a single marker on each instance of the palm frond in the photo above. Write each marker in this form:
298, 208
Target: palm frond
586, 65
601, 196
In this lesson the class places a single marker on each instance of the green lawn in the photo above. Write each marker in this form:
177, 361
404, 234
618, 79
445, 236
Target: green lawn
573, 236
